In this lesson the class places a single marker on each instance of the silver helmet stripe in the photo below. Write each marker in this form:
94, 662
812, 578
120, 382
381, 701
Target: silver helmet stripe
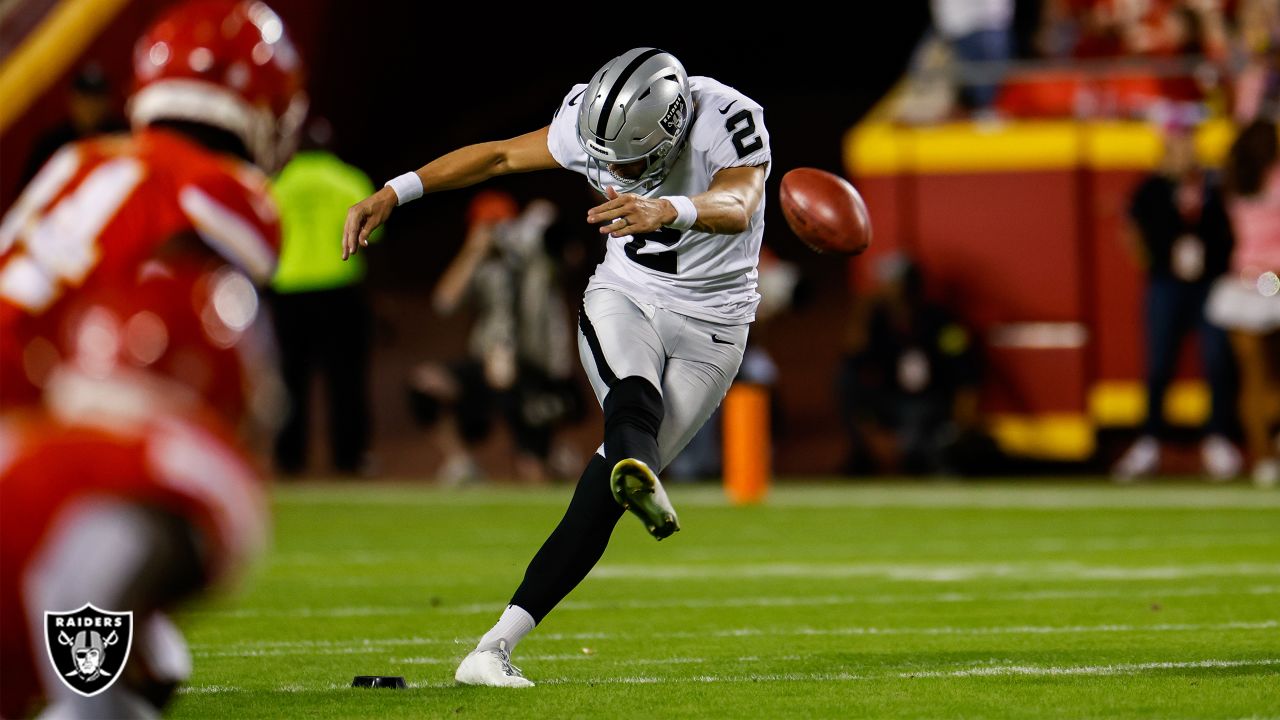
602, 125
637, 107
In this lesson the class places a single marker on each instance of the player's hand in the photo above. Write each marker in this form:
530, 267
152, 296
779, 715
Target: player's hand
631, 214
364, 217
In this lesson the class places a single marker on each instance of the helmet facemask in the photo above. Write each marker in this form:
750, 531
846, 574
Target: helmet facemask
658, 164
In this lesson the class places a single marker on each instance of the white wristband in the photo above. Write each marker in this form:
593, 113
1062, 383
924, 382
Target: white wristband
406, 187
686, 213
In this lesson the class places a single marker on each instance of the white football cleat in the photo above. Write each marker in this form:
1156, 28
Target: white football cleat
1142, 459
637, 489
1266, 474
491, 668
1221, 459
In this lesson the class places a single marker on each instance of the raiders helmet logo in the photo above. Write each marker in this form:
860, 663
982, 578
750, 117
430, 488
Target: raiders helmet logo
673, 120
88, 647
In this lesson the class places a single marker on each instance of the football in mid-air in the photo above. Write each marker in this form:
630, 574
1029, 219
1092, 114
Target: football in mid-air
825, 211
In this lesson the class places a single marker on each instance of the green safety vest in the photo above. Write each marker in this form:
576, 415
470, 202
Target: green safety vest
314, 191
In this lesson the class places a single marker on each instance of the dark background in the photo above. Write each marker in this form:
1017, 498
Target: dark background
403, 83
404, 89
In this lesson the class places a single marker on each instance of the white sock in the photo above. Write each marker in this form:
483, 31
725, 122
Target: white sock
514, 624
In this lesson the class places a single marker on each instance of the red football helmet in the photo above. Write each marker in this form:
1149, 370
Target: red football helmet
227, 64
186, 336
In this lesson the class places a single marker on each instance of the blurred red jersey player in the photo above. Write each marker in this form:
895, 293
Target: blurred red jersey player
127, 488
129, 337
217, 100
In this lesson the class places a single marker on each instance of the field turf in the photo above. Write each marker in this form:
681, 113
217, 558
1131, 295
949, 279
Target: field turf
1039, 600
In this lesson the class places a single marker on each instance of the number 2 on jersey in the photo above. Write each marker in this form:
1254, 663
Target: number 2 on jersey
743, 126
660, 261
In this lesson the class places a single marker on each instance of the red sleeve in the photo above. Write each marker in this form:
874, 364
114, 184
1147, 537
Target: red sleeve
230, 206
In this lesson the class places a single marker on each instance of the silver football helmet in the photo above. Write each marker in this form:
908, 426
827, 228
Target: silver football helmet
637, 109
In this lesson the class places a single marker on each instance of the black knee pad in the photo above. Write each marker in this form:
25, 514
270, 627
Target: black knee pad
634, 401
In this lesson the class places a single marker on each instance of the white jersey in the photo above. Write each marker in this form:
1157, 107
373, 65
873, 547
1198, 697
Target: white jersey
702, 275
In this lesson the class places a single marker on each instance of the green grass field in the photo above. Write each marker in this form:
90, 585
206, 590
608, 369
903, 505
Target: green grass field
920, 600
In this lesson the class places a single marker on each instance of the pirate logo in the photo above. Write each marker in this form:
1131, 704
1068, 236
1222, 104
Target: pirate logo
674, 117
88, 647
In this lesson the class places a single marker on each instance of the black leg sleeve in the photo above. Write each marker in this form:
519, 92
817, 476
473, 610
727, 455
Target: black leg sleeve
575, 546
632, 417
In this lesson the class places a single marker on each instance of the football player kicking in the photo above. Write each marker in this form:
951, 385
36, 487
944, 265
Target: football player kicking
681, 162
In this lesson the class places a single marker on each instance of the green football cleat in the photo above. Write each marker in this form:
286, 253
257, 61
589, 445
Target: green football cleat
637, 488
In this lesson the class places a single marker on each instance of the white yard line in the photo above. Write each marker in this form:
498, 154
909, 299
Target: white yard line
312, 612
973, 671
324, 647
256, 648
494, 607
983, 671
1118, 669
1011, 496
950, 546
1143, 595
890, 570
1019, 629
1007, 497
1149, 541
290, 652
452, 661
208, 689
918, 572
349, 557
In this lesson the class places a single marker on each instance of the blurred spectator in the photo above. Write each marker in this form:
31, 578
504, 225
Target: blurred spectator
978, 31
322, 317
89, 112
1029, 19
1258, 88
908, 386
1246, 301
929, 93
1185, 44
1111, 28
1179, 230
520, 364
1257, 85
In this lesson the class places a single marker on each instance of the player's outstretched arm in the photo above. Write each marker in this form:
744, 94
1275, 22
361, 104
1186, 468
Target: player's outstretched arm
725, 208
461, 168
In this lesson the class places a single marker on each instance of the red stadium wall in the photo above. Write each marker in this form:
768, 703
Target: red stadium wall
1019, 230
